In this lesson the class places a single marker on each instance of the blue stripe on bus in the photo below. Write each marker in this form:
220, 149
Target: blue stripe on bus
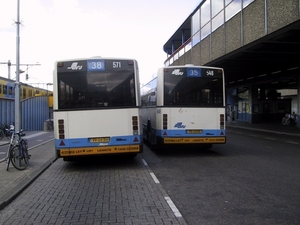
84, 142
183, 133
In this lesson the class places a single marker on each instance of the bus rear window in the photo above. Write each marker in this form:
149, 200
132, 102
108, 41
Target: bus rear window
96, 89
186, 91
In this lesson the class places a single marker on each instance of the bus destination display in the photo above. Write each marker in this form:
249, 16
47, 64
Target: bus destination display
94, 65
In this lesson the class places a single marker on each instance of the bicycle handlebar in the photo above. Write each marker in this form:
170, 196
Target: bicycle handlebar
19, 133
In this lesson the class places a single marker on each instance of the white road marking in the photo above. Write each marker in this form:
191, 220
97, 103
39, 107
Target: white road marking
252, 135
34, 135
168, 199
273, 139
173, 207
292, 142
154, 178
144, 162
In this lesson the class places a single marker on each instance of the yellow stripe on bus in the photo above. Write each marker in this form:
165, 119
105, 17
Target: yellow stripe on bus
194, 140
99, 150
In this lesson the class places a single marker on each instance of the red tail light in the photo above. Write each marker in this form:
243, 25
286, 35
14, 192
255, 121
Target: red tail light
135, 125
222, 121
165, 121
61, 129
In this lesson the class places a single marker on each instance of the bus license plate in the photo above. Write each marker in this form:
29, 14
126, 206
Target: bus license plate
194, 131
99, 140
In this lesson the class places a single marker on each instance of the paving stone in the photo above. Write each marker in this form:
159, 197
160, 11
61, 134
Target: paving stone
102, 191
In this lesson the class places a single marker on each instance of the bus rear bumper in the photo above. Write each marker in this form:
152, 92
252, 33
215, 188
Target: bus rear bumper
190, 140
99, 150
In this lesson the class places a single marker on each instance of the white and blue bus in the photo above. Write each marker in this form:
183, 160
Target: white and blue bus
184, 105
96, 107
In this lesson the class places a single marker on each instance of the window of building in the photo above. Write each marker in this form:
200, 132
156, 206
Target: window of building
176, 56
188, 46
196, 22
205, 31
218, 21
232, 9
216, 7
196, 38
247, 2
227, 2
205, 13
181, 52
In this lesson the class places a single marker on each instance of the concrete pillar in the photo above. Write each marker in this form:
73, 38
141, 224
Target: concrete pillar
253, 104
262, 93
298, 101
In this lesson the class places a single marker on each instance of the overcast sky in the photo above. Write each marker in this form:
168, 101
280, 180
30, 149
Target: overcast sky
61, 29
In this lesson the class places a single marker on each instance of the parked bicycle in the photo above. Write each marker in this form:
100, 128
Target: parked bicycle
2, 134
4, 130
17, 152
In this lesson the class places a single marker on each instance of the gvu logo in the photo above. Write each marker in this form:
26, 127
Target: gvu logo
179, 125
74, 66
177, 72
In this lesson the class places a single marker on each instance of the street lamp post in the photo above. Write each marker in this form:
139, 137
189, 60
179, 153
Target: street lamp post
17, 83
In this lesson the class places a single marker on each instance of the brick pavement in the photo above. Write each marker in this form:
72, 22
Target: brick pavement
13, 182
108, 191
105, 192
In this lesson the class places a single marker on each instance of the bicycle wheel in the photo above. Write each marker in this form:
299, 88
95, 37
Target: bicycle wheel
1, 134
8, 159
25, 150
18, 158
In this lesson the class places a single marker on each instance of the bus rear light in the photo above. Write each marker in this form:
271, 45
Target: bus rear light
222, 121
61, 129
135, 125
165, 121
222, 117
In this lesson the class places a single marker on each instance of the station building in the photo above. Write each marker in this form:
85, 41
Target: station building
256, 42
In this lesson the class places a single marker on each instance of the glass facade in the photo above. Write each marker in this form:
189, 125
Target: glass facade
212, 14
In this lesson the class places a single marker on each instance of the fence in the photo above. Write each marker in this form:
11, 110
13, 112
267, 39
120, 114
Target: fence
34, 112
